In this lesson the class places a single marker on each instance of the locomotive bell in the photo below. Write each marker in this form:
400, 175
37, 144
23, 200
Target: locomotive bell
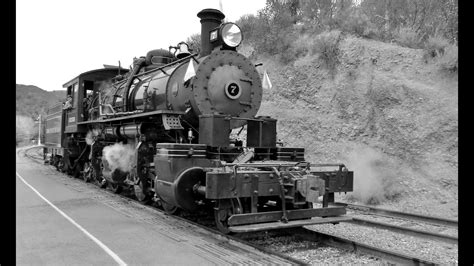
182, 50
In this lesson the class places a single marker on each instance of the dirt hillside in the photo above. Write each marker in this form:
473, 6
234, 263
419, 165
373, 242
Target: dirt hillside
386, 112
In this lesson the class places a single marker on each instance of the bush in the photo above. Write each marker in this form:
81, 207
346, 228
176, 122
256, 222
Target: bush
407, 37
359, 24
326, 46
194, 42
247, 24
300, 47
449, 60
435, 46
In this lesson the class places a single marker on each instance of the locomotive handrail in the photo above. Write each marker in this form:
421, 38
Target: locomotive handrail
167, 65
141, 114
327, 164
238, 165
247, 119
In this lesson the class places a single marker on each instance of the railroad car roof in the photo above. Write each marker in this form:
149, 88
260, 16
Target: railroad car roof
98, 72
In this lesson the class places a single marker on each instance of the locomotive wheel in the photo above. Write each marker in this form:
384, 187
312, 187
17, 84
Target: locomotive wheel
61, 166
223, 210
169, 208
77, 170
54, 162
116, 188
142, 189
97, 175
102, 183
87, 172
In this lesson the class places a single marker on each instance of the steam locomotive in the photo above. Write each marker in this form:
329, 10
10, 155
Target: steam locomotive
170, 130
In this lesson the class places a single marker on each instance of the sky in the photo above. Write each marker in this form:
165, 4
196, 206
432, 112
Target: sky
56, 40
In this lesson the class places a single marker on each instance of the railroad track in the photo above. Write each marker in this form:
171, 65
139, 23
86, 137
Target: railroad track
406, 216
351, 245
403, 215
297, 233
301, 234
28, 153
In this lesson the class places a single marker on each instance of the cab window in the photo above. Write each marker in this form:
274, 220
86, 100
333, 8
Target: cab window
75, 91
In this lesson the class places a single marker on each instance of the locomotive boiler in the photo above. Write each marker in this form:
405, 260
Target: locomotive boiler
180, 129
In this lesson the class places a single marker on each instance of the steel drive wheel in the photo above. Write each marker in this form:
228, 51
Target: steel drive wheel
87, 173
141, 191
224, 209
169, 208
60, 165
116, 188
78, 169
142, 187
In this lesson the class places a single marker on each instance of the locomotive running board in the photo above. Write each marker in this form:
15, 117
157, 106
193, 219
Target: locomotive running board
278, 225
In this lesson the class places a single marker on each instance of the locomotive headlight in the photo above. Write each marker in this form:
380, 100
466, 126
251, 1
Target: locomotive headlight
231, 34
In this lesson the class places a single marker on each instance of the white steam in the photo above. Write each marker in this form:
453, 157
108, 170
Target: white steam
91, 135
119, 156
375, 176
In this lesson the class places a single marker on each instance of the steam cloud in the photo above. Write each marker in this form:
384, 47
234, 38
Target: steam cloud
375, 177
119, 156
90, 136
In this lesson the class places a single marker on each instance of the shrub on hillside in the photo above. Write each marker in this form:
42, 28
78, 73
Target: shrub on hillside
359, 24
407, 37
299, 48
449, 60
326, 46
435, 46
248, 26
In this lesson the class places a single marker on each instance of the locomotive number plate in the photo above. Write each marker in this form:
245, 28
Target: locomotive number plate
232, 90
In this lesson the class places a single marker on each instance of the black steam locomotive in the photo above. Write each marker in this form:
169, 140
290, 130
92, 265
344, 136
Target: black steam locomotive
170, 128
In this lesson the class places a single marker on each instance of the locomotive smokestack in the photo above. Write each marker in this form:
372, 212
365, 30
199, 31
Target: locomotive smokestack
210, 19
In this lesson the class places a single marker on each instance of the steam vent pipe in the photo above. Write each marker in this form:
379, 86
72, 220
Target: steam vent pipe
210, 19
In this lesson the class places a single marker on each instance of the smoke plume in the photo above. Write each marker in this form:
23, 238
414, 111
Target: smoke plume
119, 156
375, 176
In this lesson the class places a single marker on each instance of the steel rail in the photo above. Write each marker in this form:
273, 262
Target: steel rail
354, 246
403, 215
405, 230
26, 151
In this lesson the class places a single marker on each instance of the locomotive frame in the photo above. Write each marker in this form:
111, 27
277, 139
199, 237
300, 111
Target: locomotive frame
175, 113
